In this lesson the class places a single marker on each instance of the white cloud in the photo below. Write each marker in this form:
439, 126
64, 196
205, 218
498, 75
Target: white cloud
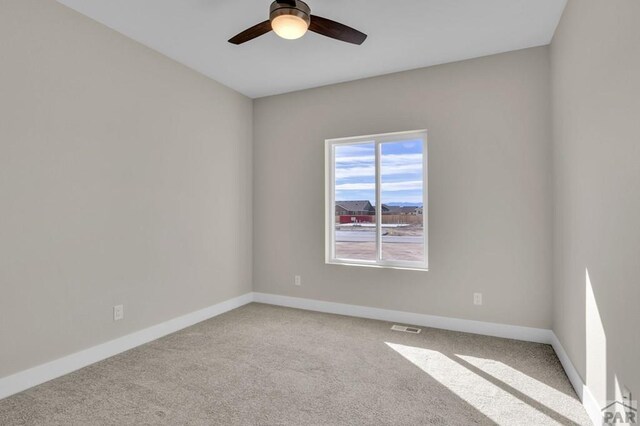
370, 159
354, 150
369, 171
349, 172
386, 159
386, 187
390, 159
400, 159
364, 166
355, 186
402, 186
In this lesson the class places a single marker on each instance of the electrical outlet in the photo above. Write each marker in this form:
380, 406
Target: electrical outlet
477, 298
118, 312
297, 280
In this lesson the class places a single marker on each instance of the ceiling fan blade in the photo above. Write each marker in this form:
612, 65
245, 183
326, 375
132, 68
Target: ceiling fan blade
336, 30
251, 33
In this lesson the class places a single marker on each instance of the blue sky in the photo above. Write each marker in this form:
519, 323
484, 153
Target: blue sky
401, 168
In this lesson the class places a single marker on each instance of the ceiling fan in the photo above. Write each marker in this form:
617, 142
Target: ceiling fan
290, 19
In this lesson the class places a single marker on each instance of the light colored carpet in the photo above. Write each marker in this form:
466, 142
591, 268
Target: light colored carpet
267, 365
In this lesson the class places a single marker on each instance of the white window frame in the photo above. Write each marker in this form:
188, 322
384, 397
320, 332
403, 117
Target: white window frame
330, 217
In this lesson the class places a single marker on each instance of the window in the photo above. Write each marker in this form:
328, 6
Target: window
376, 200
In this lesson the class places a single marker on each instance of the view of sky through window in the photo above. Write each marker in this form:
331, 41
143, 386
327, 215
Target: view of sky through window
401, 165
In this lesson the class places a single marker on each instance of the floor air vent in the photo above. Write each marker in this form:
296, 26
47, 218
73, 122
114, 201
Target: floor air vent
406, 329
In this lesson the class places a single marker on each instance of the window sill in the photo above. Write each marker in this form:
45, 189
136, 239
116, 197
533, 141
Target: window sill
378, 265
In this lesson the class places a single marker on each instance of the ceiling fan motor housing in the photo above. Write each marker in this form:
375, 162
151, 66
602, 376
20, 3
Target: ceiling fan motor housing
301, 10
291, 19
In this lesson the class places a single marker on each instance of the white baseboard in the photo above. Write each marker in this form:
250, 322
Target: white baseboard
588, 400
43, 373
528, 334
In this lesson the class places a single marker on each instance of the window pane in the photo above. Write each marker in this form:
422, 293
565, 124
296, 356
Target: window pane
355, 194
401, 175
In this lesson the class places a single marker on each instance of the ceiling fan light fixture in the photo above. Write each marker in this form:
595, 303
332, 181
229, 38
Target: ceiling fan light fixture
289, 27
290, 19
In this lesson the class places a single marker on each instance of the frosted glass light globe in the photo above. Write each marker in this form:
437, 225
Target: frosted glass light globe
289, 27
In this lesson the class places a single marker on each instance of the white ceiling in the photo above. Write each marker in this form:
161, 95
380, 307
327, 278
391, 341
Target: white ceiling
403, 34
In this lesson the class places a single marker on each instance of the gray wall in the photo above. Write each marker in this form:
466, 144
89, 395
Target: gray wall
124, 178
489, 180
596, 101
127, 178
